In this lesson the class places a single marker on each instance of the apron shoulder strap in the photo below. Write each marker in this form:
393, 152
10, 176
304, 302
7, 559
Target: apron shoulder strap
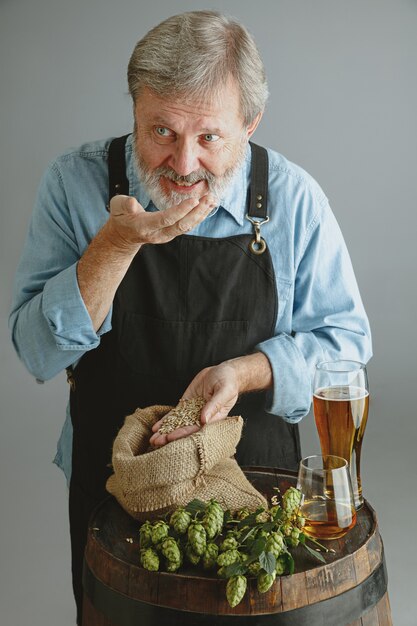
118, 181
258, 191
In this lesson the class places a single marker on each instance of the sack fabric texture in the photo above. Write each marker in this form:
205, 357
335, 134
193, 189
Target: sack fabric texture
148, 482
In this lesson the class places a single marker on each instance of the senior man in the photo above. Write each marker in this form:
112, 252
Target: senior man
183, 260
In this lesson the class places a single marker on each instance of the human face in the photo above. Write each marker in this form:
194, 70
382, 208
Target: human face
189, 148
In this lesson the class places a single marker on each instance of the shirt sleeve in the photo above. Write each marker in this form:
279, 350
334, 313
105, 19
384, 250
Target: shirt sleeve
328, 319
50, 325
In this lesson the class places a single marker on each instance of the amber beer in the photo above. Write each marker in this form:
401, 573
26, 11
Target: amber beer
341, 413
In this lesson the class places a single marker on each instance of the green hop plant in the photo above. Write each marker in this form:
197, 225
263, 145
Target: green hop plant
281, 565
242, 514
265, 581
197, 537
262, 517
293, 540
145, 535
235, 589
173, 566
300, 521
210, 556
275, 543
159, 531
149, 559
228, 557
291, 500
286, 529
193, 558
254, 568
229, 543
170, 549
180, 520
211, 524
274, 510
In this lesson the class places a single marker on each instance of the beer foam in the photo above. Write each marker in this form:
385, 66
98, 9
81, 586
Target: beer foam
341, 393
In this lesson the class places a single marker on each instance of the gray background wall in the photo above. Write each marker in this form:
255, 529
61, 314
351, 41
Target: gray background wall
343, 105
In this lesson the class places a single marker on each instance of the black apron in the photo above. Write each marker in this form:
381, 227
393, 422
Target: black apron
182, 306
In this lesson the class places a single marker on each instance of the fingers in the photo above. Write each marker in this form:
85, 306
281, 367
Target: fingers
124, 205
158, 440
179, 219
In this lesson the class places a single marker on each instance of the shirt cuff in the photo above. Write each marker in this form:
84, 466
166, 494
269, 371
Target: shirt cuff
290, 396
67, 315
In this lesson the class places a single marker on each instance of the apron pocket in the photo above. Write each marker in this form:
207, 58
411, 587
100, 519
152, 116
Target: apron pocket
176, 349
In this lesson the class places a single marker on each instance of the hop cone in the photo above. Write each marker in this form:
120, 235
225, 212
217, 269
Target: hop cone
170, 550
287, 529
242, 513
254, 568
293, 539
213, 519
173, 566
291, 500
180, 520
265, 581
197, 537
210, 556
191, 555
281, 565
230, 543
145, 535
235, 589
228, 557
159, 531
274, 511
149, 559
275, 544
262, 517
210, 524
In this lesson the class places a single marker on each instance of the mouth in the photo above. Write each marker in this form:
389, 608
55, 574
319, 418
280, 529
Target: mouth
182, 186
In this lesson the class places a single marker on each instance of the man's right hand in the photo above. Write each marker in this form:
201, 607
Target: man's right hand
129, 225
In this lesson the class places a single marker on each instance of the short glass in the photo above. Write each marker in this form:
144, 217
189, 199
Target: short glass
341, 402
327, 497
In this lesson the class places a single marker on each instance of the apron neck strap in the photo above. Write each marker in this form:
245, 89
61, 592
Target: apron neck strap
118, 182
258, 191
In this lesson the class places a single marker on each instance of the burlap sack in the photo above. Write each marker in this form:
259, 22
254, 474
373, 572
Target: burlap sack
147, 482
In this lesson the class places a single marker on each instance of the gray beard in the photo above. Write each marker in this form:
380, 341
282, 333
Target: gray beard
150, 179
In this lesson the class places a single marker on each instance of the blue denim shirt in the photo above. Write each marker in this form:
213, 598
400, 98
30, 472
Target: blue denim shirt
320, 315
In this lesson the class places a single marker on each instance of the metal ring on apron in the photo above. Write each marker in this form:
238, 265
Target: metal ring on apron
258, 245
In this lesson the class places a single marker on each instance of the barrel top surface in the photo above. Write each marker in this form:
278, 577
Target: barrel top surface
118, 534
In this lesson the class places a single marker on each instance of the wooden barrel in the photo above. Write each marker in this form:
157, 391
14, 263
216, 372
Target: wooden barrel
349, 590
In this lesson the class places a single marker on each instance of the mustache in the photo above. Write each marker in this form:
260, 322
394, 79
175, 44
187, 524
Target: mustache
193, 177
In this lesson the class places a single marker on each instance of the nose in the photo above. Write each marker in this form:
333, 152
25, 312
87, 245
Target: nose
184, 158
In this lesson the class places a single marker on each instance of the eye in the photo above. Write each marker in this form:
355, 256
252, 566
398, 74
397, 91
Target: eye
162, 131
210, 137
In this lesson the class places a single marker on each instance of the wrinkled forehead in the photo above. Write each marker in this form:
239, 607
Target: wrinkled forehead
222, 103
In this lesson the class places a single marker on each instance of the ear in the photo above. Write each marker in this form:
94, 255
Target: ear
250, 129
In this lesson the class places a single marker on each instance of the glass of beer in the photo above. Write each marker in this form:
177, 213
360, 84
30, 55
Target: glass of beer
327, 497
341, 401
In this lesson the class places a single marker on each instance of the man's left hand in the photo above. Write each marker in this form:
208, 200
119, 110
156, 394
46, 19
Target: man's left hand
220, 386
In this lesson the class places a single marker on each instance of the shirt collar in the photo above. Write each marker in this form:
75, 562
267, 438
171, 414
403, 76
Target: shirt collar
233, 201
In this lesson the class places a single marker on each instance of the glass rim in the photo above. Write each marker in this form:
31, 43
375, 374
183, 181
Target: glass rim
359, 366
342, 466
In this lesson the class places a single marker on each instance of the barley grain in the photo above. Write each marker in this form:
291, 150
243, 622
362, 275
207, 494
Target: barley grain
186, 413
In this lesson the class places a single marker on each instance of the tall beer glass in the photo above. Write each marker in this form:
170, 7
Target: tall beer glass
341, 401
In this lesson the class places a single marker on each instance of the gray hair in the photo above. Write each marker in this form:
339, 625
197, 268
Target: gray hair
194, 54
